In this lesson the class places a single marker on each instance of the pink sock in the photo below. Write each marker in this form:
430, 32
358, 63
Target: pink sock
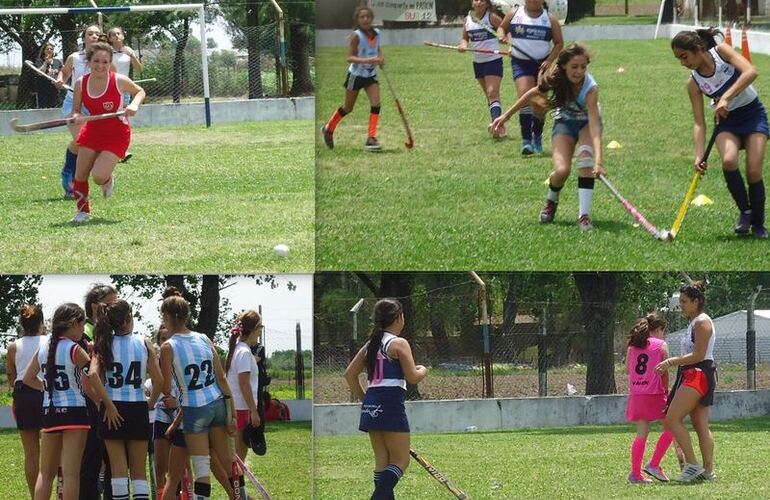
637, 455
664, 441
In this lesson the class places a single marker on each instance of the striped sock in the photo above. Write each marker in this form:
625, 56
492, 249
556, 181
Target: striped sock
120, 488
388, 482
376, 476
494, 109
139, 487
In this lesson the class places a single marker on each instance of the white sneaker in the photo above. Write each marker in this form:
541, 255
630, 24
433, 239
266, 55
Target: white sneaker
690, 473
81, 217
108, 188
708, 476
656, 472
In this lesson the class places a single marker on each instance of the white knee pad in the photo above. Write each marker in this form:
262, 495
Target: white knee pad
201, 465
585, 156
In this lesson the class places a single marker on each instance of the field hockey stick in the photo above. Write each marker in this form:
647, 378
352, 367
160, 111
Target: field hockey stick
235, 478
59, 122
469, 49
487, 27
59, 484
409, 139
187, 486
632, 210
146, 80
252, 478
691, 190
45, 75
457, 492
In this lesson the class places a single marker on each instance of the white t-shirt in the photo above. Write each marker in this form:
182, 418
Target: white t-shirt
243, 361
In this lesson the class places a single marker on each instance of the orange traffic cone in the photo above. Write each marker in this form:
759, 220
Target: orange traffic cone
745, 45
728, 37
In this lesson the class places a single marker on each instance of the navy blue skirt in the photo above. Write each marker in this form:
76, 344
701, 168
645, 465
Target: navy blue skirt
383, 410
746, 120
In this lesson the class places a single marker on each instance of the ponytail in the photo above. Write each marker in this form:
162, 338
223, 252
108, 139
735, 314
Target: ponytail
62, 320
695, 291
245, 324
109, 320
386, 311
30, 318
696, 41
235, 334
639, 334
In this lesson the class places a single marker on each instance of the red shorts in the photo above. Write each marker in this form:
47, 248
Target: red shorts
696, 378
111, 135
242, 419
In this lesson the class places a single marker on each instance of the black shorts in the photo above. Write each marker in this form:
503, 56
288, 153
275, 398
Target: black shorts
27, 407
136, 422
57, 419
159, 432
353, 82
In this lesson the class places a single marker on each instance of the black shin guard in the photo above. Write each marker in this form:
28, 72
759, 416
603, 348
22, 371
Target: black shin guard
737, 189
757, 200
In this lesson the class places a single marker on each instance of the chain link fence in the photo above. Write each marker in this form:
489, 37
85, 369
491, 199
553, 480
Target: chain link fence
543, 351
246, 58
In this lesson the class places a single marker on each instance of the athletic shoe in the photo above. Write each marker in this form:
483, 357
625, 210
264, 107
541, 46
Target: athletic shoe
638, 479
759, 232
537, 147
81, 217
584, 222
656, 472
526, 149
744, 223
372, 144
690, 473
328, 137
548, 213
708, 476
126, 158
109, 187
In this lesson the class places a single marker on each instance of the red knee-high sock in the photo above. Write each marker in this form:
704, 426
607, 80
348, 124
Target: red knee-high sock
374, 117
80, 189
664, 441
637, 455
335, 119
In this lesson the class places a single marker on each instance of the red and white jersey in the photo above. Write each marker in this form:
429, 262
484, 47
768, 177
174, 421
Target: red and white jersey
642, 378
111, 134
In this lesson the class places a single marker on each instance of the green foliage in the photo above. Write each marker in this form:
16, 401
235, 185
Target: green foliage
579, 9
284, 360
15, 291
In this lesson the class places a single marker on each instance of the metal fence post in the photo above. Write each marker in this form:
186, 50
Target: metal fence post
489, 391
542, 356
299, 366
751, 342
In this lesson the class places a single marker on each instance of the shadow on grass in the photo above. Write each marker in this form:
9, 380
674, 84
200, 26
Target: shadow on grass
96, 221
53, 200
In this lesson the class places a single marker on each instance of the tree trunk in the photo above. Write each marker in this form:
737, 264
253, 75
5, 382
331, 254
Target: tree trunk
181, 44
299, 57
598, 293
25, 97
439, 334
252, 46
209, 315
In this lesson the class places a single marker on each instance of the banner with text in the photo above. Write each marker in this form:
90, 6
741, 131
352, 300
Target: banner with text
404, 10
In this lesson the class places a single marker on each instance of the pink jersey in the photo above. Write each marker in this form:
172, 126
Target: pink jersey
642, 378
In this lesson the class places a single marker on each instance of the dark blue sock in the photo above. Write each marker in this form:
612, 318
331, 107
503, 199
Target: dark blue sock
494, 109
757, 199
737, 189
525, 121
376, 477
70, 160
387, 483
537, 129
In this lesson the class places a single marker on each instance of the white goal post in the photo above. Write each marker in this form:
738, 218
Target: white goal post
137, 8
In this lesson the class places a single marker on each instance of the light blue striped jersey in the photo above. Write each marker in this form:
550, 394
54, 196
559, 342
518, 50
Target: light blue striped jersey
67, 389
194, 369
367, 47
124, 379
577, 108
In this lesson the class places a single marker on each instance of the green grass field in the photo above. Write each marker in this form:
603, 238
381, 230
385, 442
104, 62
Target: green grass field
461, 200
284, 470
567, 463
191, 200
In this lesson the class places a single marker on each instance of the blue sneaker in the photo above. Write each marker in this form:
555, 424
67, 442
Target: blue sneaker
526, 148
537, 147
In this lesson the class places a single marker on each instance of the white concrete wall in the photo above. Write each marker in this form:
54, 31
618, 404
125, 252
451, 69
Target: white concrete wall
523, 413
291, 108
301, 409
